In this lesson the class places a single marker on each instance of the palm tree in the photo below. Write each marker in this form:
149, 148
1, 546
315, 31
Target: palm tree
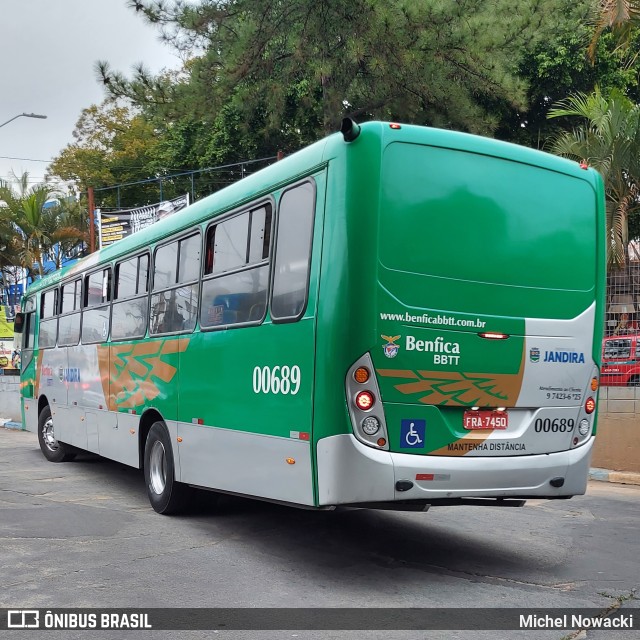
8, 253
621, 16
608, 139
36, 229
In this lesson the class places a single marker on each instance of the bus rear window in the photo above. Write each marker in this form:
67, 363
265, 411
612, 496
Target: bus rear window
504, 233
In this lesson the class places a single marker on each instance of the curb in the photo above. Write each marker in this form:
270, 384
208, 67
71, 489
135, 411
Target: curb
10, 424
622, 477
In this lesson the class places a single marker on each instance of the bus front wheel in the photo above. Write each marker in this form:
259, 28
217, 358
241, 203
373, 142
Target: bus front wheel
52, 449
166, 494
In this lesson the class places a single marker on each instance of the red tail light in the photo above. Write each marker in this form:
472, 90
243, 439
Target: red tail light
590, 405
365, 400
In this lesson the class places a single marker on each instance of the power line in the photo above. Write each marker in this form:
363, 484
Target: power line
25, 159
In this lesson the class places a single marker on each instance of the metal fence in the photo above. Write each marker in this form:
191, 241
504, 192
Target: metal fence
198, 183
622, 312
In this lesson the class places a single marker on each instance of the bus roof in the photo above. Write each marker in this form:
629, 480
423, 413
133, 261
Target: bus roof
301, 164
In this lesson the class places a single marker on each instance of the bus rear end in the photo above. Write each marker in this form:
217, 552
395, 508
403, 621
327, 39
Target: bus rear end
482, 381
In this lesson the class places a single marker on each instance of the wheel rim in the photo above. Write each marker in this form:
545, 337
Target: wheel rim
158, 468
48, 436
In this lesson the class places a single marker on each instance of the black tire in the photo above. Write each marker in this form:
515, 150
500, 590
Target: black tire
166, 494
52, 449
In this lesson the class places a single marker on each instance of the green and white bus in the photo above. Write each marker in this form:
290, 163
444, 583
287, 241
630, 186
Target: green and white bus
393, 317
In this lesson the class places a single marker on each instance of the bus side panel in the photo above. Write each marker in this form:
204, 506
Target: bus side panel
240, 437
134, 377
246, 401
346, 303
247, 463
53, 385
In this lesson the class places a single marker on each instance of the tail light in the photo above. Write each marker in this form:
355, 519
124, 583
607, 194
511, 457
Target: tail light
586, 418
363, 401
590, 405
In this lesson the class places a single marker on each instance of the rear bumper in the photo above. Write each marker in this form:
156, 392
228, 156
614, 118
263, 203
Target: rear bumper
350, 472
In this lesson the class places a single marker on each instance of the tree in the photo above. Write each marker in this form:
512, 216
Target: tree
559, 66
620, 16
607, 138
290, 70
37, 230
114, 144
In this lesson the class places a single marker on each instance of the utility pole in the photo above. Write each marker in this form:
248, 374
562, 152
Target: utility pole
92, 222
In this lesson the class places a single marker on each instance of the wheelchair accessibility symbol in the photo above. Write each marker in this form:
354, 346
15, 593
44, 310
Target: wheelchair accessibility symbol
412, 434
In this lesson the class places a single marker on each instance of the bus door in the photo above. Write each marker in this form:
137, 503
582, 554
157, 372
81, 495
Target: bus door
28, 369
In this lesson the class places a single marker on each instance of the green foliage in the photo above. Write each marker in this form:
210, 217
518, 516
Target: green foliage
272, 73
114, 144
560, 66
621, 17
608, 138
28, 230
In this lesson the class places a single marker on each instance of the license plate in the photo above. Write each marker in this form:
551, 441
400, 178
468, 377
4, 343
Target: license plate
485, 420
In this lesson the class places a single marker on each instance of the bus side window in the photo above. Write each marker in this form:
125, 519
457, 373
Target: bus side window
131, 305
95, 312
176, 272
29, 332
69, 321
236, 276
293, 253
48, 319
29, 329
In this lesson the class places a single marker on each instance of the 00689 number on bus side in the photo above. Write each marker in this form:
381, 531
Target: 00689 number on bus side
278, 379
554, 425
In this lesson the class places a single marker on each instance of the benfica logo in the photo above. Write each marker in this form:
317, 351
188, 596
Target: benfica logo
391, 349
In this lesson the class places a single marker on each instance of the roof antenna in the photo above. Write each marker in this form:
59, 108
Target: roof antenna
350, 130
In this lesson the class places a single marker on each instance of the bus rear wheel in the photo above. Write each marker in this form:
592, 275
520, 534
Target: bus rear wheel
52, 449
166, 494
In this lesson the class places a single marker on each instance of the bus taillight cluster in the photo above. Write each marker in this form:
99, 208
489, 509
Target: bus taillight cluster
366, 410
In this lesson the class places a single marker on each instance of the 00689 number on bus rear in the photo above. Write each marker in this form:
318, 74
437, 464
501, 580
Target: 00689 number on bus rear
554, 425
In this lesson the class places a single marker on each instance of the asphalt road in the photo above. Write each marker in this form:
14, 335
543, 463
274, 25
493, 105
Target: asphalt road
82, 534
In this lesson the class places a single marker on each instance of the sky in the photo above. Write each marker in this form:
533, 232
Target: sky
48, 49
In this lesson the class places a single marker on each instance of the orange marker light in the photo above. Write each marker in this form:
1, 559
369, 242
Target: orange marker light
381, 442
594, 384
361, 375
291, 460
179, 439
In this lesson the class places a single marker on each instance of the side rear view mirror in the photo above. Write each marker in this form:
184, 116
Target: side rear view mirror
18, 323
